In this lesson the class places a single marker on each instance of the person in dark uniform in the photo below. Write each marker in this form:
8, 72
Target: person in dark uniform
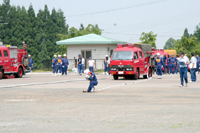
93, 81
79, 64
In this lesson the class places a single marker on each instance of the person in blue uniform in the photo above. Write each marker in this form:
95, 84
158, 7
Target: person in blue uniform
168, 64
106, 65
173, 64
198, 63
54, 65
65, 64
158, 64
164, 63
79, 64
30, 60
177, 67
93, 81
59, 69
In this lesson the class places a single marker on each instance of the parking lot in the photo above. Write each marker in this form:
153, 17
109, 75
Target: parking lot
39, 102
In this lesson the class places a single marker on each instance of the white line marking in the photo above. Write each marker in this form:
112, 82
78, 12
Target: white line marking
20, 100
55, 82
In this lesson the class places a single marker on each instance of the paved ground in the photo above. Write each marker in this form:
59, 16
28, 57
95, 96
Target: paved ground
154, 105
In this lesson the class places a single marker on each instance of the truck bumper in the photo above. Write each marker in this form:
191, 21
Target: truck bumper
122, 73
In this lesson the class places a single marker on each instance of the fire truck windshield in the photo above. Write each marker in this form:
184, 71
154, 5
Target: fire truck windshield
122, 55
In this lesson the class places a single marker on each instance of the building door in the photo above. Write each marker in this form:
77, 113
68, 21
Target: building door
86, 55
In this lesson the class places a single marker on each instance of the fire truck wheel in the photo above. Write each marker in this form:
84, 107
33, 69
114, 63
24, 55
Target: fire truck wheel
149, 74
115, 77
1, 74
20, 73
137, 75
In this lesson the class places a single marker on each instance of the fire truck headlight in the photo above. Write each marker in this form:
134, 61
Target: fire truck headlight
129, 69
113, 69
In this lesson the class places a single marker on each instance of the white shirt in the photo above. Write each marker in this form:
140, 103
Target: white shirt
183, 60
193, 60
83, 61
91, 63
108, 61
186, 58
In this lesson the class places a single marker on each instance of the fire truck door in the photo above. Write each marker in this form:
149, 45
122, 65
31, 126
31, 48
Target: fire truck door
6, 60
141, 62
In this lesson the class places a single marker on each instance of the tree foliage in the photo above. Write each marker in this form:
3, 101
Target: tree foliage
148, 38
169, 44
39, 31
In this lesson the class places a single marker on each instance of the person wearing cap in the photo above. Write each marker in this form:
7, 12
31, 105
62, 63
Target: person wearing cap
198, 63
79, 63
65, 64
82, 65
173, 64
30, 60
164, 63
91, 64
59, 70
159, 64
54, 65
169, 64
106, 65
193, 68
183, 69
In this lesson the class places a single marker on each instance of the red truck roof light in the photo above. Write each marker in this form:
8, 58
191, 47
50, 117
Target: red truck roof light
120, 45
130, 45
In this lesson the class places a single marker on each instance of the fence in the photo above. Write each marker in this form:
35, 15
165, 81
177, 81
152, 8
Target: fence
99, 64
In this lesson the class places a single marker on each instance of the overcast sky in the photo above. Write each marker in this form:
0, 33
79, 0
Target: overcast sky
126, 19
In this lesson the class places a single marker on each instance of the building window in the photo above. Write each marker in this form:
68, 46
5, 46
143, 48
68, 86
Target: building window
111, 51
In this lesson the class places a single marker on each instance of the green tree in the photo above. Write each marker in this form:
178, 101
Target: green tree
197, 32
186, 34
148, 38
169, 43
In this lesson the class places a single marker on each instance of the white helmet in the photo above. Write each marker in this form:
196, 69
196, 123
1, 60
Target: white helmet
106, 55
64, 55
158, 53
55, 55
29, 55
59, 55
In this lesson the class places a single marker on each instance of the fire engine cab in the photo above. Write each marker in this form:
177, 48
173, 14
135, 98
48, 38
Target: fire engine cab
130, 62
13, 61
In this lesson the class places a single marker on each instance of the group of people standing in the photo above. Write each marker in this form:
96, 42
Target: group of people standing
60, 65
179, 64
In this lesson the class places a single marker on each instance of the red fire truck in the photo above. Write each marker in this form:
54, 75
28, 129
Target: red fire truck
13, 61
130, 62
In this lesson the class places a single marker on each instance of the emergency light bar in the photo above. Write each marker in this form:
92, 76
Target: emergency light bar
130, 45
120, 45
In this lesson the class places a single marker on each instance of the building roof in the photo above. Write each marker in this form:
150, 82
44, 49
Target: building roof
89, 39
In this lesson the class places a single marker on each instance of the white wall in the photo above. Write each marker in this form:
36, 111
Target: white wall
101, 50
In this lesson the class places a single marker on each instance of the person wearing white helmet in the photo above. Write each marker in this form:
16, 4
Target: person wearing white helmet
106, 65
59, 65
30, 60
54, 65
159, 64
65, 64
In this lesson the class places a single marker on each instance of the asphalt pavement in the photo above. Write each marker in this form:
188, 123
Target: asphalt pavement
40, 102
